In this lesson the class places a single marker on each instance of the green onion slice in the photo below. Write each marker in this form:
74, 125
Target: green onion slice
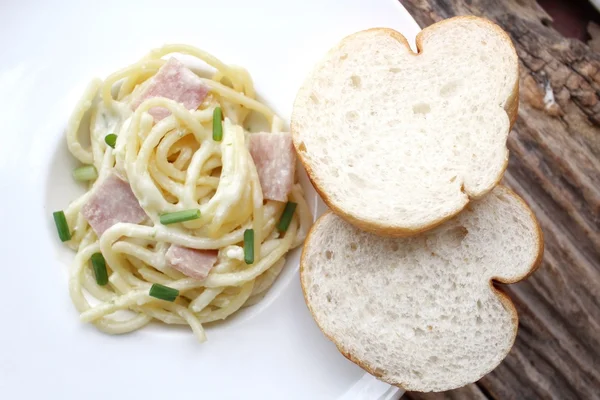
286, 217
61, 226
99, 265
85, 173
179, 216
163, 292
217, 124
249, 246
111, 140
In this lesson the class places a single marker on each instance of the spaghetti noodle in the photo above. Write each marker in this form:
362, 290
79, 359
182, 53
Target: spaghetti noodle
174, 164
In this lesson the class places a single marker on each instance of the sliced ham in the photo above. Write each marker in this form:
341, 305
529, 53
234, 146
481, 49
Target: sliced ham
275, 159
191, 262
176, 82
112, 202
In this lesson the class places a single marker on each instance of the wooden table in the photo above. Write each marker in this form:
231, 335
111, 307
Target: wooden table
555, 166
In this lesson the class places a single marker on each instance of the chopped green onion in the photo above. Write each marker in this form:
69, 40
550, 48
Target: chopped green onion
286, 217
217, 124
99, 265
85, 173
249, 246
179, 216
111, 140
163, 292
61, 226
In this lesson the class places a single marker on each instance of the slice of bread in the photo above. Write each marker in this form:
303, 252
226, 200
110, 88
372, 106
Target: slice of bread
397, 143
421, 312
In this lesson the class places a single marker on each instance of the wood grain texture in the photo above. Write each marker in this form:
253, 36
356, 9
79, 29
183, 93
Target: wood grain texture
555, 166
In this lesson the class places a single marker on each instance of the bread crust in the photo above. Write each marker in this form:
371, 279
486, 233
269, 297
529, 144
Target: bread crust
511, 108
501, 295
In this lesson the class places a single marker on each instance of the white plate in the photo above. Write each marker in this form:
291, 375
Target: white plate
50, 50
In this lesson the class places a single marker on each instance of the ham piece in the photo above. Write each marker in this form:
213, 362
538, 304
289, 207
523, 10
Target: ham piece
275, 159
112, 202
176, 82
191, 262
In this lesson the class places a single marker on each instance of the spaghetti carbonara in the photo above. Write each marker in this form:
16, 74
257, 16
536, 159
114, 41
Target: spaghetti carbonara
188, 216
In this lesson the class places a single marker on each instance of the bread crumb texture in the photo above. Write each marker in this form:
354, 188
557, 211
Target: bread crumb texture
421, 312
403, 141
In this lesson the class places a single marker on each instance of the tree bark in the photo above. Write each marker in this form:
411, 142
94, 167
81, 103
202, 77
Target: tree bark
555, 166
